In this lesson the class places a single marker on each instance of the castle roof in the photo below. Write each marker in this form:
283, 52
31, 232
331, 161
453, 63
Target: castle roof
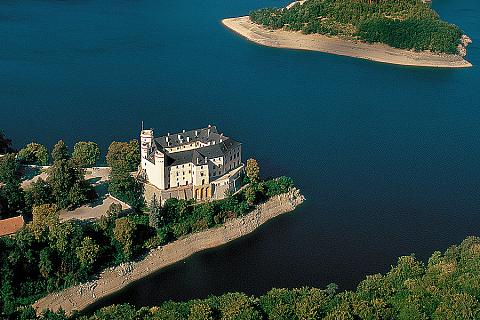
218, 146
204, 135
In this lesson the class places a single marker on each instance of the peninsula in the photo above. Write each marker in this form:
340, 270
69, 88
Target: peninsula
113, 279
64, 243
405, 33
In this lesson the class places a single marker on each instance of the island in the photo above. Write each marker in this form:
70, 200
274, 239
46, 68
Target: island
406, 32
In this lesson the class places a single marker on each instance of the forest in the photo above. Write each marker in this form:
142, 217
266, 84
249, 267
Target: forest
404, 24
446, 287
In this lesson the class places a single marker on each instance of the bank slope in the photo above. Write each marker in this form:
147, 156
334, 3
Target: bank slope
281, 38
113, 279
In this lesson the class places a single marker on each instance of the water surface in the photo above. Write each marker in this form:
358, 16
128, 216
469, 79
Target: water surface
387, 156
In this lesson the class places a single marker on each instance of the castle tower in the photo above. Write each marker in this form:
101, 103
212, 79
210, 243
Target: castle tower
146, 141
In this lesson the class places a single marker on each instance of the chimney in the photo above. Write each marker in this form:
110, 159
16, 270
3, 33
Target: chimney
183, 130
196, 133
188, 139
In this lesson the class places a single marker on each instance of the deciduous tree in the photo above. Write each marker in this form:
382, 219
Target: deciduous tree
252, 170
34, 153
60, 151
124, 156
87, 252
123, 232
85, 154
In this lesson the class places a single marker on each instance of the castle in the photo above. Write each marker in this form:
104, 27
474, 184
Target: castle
201, 164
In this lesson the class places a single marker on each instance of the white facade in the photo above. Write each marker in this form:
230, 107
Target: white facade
195, 159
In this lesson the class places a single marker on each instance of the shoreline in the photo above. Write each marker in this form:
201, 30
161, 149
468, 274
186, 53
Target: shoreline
116, 278
316, 42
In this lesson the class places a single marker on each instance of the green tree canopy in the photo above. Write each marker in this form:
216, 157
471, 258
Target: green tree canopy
39, 192
9, 169
34, 153
60, 151
88, 252
44, 217
86, 154
252, 170
124, 232
68, 184
124, 156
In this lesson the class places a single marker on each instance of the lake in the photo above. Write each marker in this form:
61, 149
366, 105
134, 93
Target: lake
387, 156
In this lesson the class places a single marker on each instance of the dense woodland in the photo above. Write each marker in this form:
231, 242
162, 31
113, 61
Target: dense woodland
447, 287
49, 255
405, 24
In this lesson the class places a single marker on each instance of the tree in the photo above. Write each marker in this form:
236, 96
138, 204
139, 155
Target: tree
39, 192
44, 217
87, 252
126, 188
60, 151
200, 311
9, 169
68, 184
154, 215
123, 232
250, 195
114, 210
124, 156
45, 264
34, 153
252, 170
5, 143
85, 154
12, 197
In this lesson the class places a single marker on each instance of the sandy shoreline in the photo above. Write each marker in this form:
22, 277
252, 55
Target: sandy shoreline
316, 42
113, 279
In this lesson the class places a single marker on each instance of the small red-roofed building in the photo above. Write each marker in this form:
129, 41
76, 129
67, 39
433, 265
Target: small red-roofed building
11, 225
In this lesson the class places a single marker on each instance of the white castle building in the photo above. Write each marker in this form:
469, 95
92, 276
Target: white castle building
201, 164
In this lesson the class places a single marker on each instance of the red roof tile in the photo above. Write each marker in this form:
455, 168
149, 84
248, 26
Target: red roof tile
11, 225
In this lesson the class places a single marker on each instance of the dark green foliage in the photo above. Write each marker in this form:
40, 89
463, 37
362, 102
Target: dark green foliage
38, 193
417, 34
68, 185
154, 214
60, 151
124, 156
126, 188
446, 288
12, 198
407, 24
9, 169
48, 255
34, 153
5, 143
86, 154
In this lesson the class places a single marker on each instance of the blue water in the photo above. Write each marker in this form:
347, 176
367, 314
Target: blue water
387, 156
